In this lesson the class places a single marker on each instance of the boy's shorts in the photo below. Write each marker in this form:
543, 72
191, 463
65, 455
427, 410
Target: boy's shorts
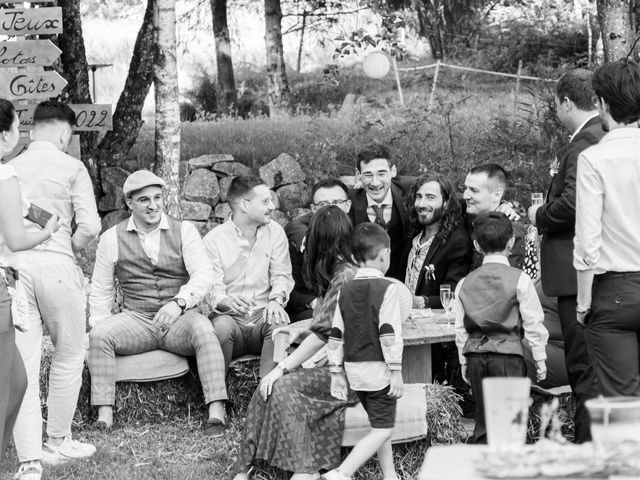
380, 407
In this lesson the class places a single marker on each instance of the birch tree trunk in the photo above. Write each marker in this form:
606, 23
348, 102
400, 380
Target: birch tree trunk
615, 23
277, 83
224, 62
165, 81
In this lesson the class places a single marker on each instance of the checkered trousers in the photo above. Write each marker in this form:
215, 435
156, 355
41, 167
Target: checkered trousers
129, 333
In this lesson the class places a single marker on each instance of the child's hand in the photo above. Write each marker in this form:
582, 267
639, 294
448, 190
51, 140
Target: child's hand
396, 387
541, 370
463, 371
339, 386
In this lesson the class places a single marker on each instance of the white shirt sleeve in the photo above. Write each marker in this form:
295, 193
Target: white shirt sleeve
198, 265
461, 333
532, 314
589, 206
218, 290
280, 265
102, 281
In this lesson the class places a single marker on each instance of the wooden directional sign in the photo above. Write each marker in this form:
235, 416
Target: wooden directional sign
26, 85
89, 117
28, 53
31, 21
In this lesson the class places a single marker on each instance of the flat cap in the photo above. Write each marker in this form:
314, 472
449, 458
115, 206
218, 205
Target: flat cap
139, 180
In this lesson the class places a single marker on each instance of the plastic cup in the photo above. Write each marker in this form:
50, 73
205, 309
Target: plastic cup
281, 342
614, 420
506, 409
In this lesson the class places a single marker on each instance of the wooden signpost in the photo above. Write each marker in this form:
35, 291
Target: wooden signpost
31, 21
28, 53
27, 85
89, 117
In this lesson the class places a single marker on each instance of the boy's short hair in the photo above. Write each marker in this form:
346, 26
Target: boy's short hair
240, 186
492, 231
330, 183
368, 239
52, 111
577, 86
371, 152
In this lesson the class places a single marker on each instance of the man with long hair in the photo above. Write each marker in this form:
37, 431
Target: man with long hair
441, 249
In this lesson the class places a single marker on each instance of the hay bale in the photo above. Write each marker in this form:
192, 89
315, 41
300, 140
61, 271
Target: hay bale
566, 412
444, 414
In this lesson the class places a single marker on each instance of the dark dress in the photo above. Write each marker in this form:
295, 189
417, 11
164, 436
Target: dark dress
299, 428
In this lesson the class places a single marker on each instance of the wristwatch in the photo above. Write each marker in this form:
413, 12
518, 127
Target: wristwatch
282, 367
582, 311
182, 303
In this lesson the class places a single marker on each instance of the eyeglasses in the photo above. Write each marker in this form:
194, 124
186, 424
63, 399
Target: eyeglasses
146, 201
326, 203
264, 202
382, 175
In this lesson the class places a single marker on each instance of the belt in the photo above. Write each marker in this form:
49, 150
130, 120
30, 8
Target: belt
606, 275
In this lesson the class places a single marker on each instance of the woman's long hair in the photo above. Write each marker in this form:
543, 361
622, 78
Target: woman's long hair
451, 216
327, 245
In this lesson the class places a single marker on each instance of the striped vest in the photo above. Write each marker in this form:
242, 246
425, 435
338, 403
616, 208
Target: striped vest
147, 287
492, 315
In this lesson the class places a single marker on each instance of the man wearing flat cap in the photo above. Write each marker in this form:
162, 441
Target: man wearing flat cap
163, 271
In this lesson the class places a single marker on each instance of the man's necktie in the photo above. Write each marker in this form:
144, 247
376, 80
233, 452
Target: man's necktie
379, 210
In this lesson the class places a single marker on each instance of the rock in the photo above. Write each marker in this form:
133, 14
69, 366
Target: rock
208, 161
275, 199
204, 227
348, 180
231, 169
112, 180
224, 183
195, 211
202, 186
293, 196
183, 173
222, 212
299, 212
284, 170
131, 165
281, 217
347, 104
113, 218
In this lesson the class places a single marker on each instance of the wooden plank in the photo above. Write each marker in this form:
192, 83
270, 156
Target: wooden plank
27, 85
417, 364
89, 117
74, 147
28, 53
31, 21
29, 1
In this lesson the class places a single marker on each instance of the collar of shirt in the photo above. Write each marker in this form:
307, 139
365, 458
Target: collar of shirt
496, 259
420, 245
163, 225
582, 126
387, 201
239, 233
43, 145
365, 272
623, 132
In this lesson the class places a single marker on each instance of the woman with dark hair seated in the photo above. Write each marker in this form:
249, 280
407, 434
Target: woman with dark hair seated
293, 423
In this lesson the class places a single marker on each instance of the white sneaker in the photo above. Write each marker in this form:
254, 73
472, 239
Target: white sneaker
29, 471
69, 449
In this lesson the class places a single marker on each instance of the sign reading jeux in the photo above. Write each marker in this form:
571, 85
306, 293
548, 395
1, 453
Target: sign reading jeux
31, 21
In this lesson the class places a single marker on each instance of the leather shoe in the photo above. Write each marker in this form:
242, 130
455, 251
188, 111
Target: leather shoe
214, 427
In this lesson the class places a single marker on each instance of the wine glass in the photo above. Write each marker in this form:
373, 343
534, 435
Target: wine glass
446, 298
537, 199
251, 310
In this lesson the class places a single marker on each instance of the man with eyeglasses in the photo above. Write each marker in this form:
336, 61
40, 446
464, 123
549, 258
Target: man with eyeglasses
382, 200
251, 274
556, 222
163, 271
326, 192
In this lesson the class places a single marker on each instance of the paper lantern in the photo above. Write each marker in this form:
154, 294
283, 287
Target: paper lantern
376, 65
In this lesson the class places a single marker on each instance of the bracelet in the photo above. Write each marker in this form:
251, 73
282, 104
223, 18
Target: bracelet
282, 367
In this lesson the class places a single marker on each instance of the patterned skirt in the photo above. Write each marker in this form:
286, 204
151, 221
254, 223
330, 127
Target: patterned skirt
299, 428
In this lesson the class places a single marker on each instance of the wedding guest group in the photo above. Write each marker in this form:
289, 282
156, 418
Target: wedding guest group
361, 263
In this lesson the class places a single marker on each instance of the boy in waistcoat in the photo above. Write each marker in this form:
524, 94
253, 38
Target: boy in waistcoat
496, 306
366, 344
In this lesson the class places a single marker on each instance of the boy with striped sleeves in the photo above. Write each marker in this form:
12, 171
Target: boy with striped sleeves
365, 347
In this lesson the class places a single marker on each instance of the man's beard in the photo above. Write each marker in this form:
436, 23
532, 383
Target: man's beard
436, 217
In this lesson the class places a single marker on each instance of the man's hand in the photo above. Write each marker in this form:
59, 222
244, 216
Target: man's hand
581, 317
508, 210
465, 376
396, 385
53, 224
266, 384
275, 314
238, 305
541, 370
532, 214
339, 386
418, 302
168, 314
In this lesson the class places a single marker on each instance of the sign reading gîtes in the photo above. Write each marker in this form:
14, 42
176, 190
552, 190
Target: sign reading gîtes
31, 21
26, 85
28, 53
89, 117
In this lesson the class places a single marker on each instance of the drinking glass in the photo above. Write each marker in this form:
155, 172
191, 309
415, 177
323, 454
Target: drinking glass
446, 298
537, 199
251, 310
506, 408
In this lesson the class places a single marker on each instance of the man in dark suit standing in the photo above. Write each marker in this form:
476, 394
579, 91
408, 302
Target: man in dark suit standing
441, 251
556, 221
381, 200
